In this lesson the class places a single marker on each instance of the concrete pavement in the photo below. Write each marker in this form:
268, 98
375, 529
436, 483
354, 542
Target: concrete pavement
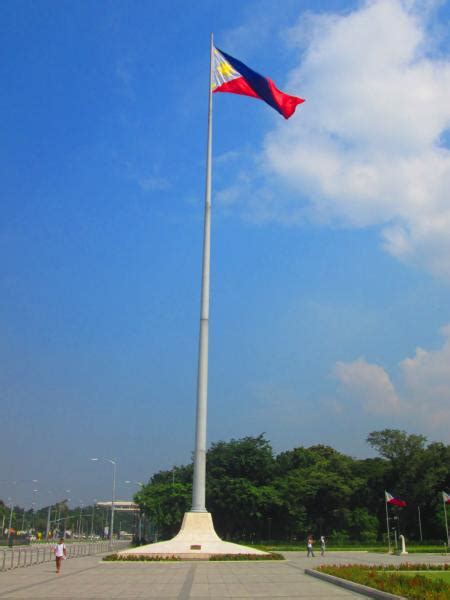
89, 578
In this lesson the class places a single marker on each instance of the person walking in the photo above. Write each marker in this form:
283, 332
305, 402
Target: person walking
60, 551
309, 545
322, 545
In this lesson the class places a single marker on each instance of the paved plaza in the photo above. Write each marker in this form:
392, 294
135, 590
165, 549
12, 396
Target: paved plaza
88, 577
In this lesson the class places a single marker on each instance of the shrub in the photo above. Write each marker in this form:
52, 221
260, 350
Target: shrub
138, 558
271, 556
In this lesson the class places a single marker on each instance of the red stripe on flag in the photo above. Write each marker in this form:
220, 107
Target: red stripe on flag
397, 502
287, 104
237, 86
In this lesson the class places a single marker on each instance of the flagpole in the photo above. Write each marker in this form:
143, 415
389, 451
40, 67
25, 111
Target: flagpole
420, 524
445, 515
199, 481
387, 523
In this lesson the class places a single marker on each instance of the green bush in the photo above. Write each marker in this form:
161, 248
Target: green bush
368, 537
138, 558
214, 557
271, 556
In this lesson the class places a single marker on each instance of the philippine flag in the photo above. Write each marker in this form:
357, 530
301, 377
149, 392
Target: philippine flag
446, 498
391, 500
231, 75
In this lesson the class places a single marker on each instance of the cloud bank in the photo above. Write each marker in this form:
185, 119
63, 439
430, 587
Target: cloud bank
370, 145
422, 394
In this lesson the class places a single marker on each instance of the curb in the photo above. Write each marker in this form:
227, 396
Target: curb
354, 587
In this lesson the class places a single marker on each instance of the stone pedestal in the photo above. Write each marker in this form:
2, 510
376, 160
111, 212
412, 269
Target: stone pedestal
196, 539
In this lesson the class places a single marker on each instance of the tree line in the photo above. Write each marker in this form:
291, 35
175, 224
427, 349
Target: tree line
255, 494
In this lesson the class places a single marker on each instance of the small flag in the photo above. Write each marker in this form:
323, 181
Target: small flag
391, 500
446, 498
231, 75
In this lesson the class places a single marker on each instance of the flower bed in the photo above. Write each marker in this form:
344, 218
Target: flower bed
271, 556
139, 558
214, 557
391, 580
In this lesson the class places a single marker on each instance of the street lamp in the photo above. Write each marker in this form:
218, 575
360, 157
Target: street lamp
114, 464
140, 484
80, 527
10, 517
92, 518
49, 512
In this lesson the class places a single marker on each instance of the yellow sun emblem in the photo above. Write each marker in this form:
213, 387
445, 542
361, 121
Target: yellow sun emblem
225, 69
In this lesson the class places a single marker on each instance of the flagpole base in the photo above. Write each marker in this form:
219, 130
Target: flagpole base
197, 539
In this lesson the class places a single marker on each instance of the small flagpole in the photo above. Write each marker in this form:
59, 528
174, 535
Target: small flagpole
420, 524
199, 481
387, 523
445, 515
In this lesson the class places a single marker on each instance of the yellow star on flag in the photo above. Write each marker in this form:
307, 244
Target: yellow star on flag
225, 69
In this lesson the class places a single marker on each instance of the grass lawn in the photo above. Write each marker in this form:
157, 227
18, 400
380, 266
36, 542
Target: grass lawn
416, 585
434, 575
349, 548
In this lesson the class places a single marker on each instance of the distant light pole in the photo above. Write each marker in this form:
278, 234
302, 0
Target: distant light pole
47, 531
114, 464
10, 517
140, 484
92, 517
33, 509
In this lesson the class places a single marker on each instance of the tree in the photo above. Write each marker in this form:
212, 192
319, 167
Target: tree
165, 505
253, 494
395, 445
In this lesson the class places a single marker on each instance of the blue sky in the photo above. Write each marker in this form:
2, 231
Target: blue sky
330, 245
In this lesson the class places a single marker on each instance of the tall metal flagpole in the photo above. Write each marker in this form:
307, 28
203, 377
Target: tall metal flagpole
387, 523
199, 483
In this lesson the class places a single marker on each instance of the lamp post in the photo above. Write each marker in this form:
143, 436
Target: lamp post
11, 510
33, 510
80, 527
140, 484
47, 531
92, 518
114, 464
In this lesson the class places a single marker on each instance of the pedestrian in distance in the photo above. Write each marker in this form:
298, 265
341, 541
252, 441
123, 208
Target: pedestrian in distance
60, 551
322, 545
309, 545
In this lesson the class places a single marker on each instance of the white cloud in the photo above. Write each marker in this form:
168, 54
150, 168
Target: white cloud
422, 396
366, 147
371, 384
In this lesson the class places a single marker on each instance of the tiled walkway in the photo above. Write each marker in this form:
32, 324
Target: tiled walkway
88, 577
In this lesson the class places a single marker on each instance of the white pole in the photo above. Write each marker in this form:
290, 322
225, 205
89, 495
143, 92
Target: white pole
10, 519
199, 481
446, 522
92, 521
113, 499
420, 524
80, 529
47, 531
387, 524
